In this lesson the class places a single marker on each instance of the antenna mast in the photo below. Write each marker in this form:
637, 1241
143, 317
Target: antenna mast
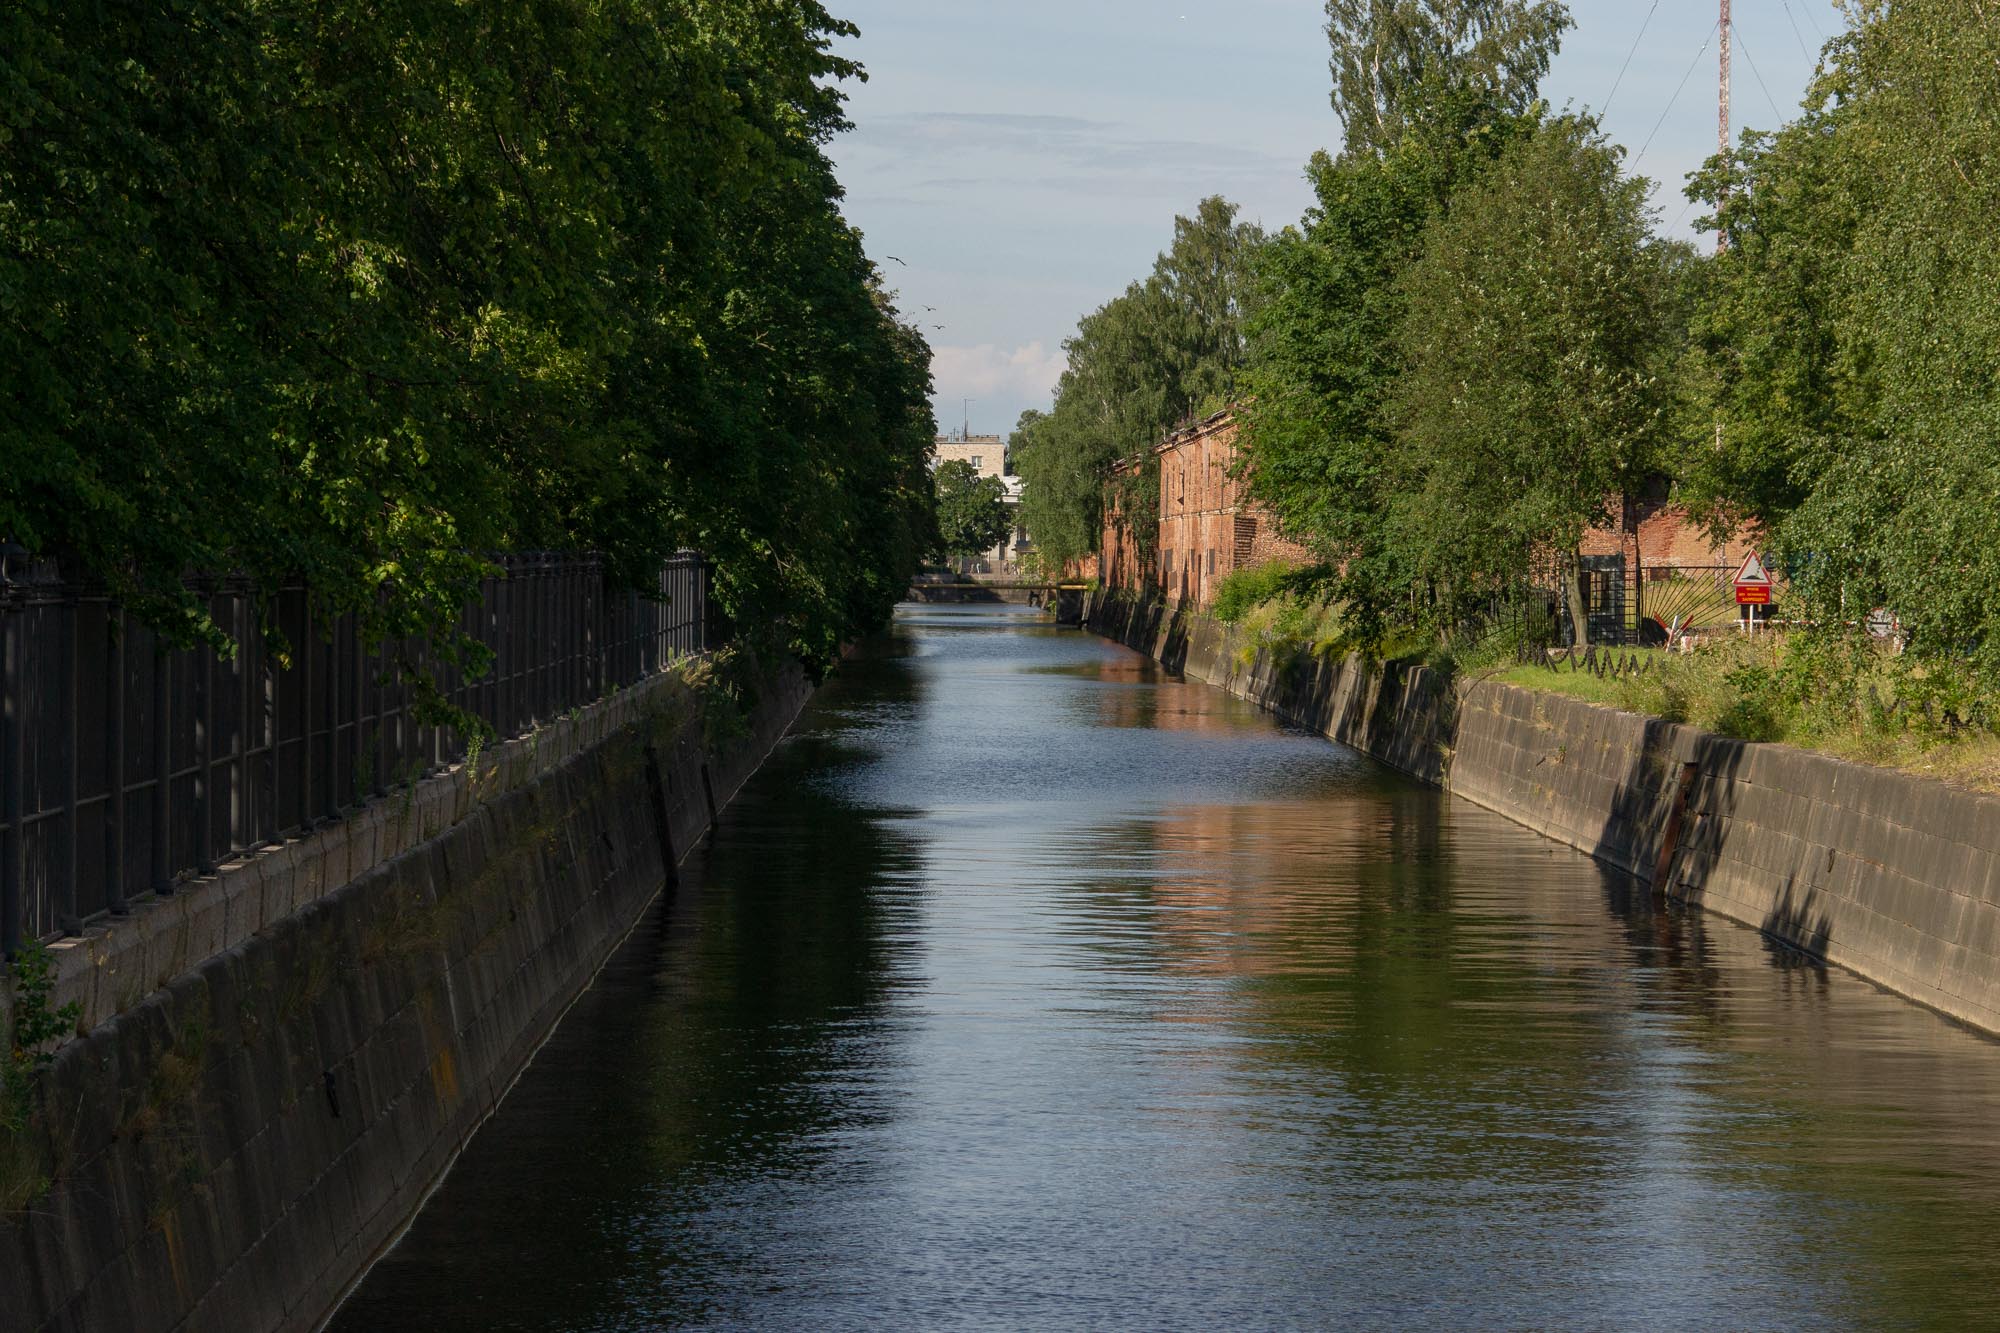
1722, 125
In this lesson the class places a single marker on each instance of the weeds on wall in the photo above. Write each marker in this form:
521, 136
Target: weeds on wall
33, 1026
1282, 609
1832, 690
724, 685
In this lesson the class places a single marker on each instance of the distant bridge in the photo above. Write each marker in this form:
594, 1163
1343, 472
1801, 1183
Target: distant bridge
1067, 598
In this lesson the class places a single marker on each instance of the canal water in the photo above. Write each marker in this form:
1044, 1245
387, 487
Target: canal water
1030, 987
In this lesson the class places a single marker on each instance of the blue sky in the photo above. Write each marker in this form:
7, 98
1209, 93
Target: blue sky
1024, 161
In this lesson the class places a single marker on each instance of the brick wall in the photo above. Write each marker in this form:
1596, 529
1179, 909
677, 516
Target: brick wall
1208, 527
1663, 534
1117, 565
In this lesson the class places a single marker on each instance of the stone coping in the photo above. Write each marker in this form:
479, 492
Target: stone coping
117, 961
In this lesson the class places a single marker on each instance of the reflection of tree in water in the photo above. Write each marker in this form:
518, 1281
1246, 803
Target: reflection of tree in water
1408, 1012
1385, 991
742, 1021
800, 926
768, 1021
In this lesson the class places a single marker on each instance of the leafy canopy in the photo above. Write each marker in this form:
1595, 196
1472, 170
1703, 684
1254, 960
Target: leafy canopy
1843, 350
1396, 64
1528, 398
358, 293
1433, 94
972, 513
1170, 347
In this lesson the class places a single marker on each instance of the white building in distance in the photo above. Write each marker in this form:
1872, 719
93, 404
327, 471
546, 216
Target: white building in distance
988, 456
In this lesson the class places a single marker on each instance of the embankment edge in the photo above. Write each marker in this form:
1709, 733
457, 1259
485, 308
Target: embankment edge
235, 1149
1893, 877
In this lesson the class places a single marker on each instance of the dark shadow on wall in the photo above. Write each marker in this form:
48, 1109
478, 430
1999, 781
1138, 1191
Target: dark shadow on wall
1145, 625
1703, 774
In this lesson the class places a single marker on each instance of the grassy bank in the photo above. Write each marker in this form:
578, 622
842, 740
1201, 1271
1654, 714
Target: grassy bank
1852, 699
1760, 690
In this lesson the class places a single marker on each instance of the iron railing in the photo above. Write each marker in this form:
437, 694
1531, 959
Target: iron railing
127, 766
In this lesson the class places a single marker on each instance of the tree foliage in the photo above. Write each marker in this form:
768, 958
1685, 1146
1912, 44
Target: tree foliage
1171, 346
1319, 439
359, 293
972, 513
1845, 345
1529, 397
1397, 63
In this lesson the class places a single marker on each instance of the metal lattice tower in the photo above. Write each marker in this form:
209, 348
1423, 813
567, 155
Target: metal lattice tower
1722, 121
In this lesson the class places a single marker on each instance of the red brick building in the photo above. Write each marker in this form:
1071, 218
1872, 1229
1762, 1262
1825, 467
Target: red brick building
1208, 527
1657, 564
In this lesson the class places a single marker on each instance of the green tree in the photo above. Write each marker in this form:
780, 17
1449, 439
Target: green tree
1432, 95
1841, 378
1399, 62
1169, 347
359, 293
972, 513
1529, 397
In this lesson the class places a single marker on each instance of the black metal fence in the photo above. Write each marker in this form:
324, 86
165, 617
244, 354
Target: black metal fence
126, 766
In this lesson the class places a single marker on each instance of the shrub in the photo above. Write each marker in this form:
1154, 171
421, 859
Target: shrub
1244, 590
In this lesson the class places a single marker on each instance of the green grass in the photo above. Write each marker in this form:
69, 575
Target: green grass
1837, 697
1747, 688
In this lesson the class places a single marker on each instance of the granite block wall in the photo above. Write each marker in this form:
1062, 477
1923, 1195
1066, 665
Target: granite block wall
1891, 876
233, 1148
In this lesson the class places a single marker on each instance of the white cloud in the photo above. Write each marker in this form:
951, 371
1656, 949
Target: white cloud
1002, 379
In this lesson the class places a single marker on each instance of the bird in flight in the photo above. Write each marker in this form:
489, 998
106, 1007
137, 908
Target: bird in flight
903, 262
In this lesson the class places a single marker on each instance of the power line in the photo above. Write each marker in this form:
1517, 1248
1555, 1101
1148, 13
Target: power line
1677, 92
1807, 7
1760, 80
1795, 29
1620, 80
1686, 208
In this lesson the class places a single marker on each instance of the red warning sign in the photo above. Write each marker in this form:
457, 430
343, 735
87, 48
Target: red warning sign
1753, 582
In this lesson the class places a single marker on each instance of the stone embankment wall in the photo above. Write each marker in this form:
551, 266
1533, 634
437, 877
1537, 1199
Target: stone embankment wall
1894, 877
279, 1064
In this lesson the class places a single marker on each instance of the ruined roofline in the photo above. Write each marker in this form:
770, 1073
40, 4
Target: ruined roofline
1194, 430
1180, 435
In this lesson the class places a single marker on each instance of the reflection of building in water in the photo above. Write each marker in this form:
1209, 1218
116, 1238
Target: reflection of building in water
1262, 888
1139, 698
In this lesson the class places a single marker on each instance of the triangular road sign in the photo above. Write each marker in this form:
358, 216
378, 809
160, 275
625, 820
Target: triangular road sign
1753, 572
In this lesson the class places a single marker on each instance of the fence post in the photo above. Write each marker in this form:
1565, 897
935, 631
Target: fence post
510, 635
242, 807
538, 643
13, 745
274, 730
308, 651
377, 669
114, 760
68, 916
336, 705
163, 764
577, 636
204, 831
357, 660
